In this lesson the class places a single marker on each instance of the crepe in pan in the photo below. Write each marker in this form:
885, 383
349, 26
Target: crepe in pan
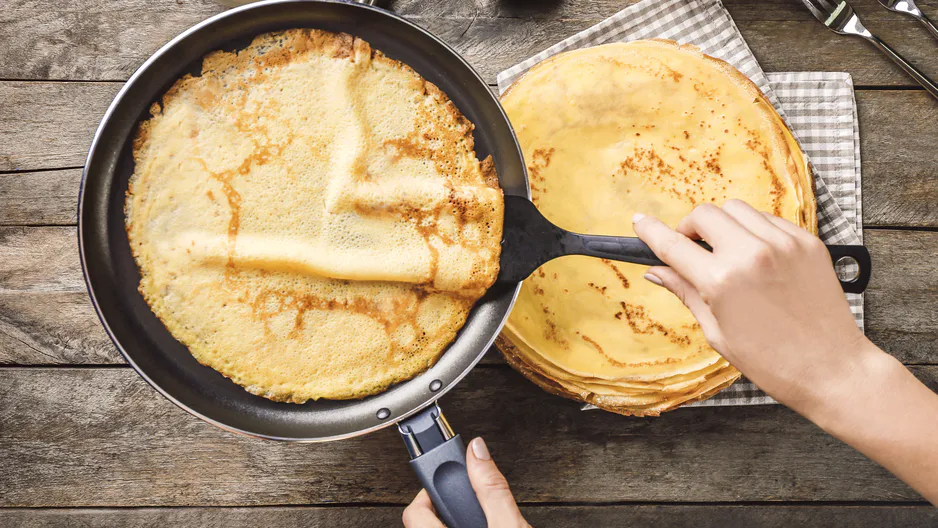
652, 127
310, 218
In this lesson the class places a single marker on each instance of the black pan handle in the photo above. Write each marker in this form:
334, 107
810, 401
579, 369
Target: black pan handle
438, 457
630, 249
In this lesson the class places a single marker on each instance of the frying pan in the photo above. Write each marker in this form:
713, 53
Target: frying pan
112, 276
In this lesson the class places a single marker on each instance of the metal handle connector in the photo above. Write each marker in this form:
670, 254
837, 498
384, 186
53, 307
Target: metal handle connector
424, 431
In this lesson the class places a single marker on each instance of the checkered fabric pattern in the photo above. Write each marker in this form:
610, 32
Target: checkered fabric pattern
818, 106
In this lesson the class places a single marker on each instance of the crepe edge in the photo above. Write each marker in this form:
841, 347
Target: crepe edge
512, 357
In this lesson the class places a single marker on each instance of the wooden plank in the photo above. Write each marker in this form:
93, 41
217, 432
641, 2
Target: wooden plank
700, 516
39, 198
89, 40
46, 317
64, 429
49, 125
899, 158
40, 259
900, 164
52, 328
902, 299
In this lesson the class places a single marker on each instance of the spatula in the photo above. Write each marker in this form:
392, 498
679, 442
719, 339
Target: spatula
530, 240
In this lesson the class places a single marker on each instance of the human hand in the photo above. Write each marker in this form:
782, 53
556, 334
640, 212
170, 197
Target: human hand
491, 489
767, 298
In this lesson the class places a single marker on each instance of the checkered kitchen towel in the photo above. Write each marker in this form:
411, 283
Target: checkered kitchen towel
819, 108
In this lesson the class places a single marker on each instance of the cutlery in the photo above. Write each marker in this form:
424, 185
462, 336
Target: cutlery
908, 7
840, 18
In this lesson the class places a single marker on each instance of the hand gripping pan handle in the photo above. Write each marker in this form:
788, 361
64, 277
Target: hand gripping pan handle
531, 240
438, 457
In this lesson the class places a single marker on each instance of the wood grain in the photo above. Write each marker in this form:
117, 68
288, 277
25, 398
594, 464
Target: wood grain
103, 437
899, 158
46, 317
40, 198
902, 300
897, 131
49, 125
40, 259
90, 40
699, 516
52, 328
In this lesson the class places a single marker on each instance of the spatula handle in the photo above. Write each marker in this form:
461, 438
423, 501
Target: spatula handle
630, 249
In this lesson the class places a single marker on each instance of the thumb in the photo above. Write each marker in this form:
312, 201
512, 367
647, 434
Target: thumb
685, 291
491, 487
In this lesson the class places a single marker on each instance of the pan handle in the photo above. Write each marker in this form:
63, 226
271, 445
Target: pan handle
438, 457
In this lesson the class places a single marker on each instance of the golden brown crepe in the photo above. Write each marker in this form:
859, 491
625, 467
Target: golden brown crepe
652, 127
310, 218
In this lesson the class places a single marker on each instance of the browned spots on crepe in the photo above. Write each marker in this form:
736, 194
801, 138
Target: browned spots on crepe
600, 289
622, 278
641, 323
599, 349
489, 174
777, 190
234, 208
540, 160
402, 310
551, 332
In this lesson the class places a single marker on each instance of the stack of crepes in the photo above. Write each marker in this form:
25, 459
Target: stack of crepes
652, 127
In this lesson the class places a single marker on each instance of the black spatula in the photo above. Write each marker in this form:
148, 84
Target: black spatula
531, 240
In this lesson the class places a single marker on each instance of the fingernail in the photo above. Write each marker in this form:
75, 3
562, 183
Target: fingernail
480, 450
653, 279
637, 217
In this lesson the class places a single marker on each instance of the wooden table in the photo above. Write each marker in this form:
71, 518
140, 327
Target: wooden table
83, 439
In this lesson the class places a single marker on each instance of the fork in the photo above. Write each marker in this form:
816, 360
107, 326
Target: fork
840, 18
908, 7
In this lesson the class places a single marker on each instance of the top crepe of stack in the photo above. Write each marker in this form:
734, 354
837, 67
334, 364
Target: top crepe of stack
653, 127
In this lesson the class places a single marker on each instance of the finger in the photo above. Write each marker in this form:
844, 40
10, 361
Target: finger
715, 226
491, 487
420, 514
787, 226
673, 248
755, 221
685, 291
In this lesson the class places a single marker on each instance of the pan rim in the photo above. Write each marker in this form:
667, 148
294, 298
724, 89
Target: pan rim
96, 146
